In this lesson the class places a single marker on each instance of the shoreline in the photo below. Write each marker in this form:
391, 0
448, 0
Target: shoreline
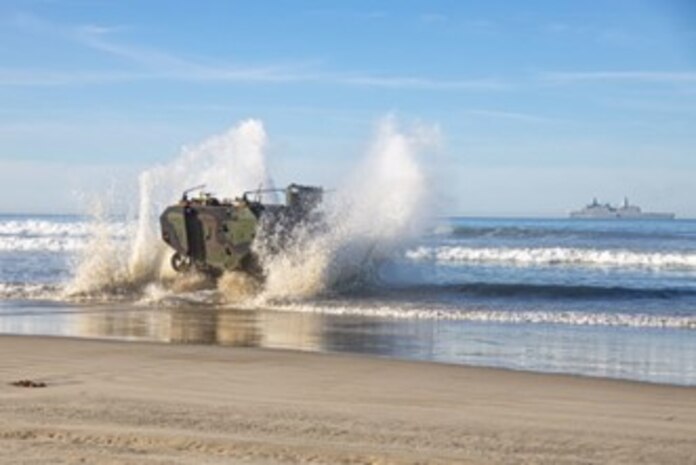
651, 355
112, 401
347, 354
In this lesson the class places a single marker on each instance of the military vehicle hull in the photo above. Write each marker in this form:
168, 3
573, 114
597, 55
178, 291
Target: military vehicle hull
210, 238
214, 236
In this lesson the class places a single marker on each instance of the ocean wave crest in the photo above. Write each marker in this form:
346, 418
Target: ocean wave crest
37, 235
547, 256
44, 244
35, 227
574, 318
29, 291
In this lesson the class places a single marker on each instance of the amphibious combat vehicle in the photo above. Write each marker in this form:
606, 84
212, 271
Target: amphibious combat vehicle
213, 235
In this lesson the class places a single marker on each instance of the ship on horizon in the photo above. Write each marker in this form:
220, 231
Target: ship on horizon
603, 211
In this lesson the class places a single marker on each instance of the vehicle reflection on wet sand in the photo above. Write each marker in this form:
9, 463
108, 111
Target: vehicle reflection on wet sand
205, 325
616, 352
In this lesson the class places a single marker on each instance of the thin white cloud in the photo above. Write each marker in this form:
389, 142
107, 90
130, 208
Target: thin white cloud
37, 77
402, 82
480, 25
666, 77
143, 62
515, 116
433, 18
49, 78
153, 64
558, 27
189, 70
349, 15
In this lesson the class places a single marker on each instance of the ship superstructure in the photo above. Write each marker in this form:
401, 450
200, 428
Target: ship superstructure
597, 210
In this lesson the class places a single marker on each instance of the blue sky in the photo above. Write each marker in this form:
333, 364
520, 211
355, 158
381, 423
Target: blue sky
542, 104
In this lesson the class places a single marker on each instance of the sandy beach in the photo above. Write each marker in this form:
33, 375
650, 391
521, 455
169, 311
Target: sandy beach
117, 402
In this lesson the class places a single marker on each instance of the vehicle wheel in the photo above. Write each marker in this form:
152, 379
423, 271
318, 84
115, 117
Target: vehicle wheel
180, 263
251, 265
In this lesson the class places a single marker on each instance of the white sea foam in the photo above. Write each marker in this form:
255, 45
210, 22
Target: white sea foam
51, 236
32, 227
555, 256
380, 206
227, 164
34, 291
640, 320
35, 244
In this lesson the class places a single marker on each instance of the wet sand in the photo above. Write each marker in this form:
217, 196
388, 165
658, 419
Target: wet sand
123, 402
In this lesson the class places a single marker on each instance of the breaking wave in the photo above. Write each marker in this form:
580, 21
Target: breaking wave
44, 244
29, 291
31, 235
380, 207
555, 256
226, 164
575, 318
33, 227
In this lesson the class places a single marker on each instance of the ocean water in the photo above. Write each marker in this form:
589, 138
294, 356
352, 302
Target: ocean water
598, 298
